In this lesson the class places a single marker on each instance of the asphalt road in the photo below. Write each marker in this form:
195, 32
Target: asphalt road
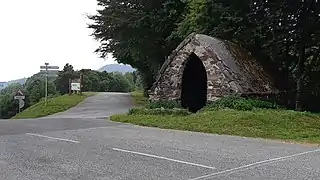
81, 144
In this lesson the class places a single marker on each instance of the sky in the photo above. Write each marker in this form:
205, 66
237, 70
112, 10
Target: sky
33, 32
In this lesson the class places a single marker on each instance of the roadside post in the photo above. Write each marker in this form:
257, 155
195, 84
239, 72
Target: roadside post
81, 82
20, 97
48, 71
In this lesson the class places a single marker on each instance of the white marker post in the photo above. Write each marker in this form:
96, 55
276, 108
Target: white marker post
20, 96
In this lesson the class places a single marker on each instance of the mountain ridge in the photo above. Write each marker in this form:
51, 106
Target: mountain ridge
4, 84
122, 68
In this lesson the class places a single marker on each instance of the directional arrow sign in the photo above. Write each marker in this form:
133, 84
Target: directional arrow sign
52, 75
49, 67
50, 71
49, 74
21, 103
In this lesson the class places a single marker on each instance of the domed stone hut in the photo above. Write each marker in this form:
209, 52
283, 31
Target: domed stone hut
203, 69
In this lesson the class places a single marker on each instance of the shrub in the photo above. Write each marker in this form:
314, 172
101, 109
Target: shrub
164, 104
240, 103
159, 111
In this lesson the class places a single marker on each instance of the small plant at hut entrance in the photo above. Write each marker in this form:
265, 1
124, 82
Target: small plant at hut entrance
164, 104
240, 103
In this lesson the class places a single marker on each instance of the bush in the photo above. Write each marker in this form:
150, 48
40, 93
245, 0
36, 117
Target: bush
139, 98
164, 104
240, 103
159, 111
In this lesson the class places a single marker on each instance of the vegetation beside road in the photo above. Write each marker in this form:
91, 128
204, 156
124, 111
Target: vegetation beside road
54, 105
139, 98
233, 116
271, 124
93, 81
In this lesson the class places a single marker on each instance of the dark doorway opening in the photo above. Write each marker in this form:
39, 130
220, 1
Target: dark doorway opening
194, 84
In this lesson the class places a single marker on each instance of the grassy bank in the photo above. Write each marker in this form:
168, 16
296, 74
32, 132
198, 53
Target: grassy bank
54, 105
270, 124
259, 123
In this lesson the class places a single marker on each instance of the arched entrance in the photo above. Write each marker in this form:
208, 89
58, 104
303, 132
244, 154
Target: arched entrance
194, 84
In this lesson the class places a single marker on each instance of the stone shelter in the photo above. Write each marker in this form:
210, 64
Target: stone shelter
203, 69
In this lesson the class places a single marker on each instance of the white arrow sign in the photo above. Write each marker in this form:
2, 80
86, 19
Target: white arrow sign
49, 67
21, 103
19, 97
50, 71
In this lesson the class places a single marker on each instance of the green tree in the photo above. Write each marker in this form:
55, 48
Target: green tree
62, 81
288, 33
136, 32
35, 89
120, 83
129, 77
90, 80
9, 106
105, 82
282, 35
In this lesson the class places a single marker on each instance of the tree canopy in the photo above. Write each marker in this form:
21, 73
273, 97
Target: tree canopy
136, 32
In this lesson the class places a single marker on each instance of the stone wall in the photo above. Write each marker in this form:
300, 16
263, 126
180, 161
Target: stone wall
229, 68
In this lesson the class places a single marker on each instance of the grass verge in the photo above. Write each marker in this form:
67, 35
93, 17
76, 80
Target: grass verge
139, 98
54, 105
259, 123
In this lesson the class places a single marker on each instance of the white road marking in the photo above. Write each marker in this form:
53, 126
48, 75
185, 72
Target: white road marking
93, 128
256, 164
48, 137
164, 158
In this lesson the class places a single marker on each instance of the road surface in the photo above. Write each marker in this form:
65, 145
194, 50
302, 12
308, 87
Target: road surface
81, 144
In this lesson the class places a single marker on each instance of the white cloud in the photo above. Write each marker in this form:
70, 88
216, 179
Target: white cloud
37, 31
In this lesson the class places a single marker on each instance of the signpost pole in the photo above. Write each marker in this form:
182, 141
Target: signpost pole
46, 91
70, 92
48, 71
81, 79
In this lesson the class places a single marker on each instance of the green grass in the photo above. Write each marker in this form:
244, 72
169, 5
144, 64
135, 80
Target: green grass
54, 105
139, 98
260, 123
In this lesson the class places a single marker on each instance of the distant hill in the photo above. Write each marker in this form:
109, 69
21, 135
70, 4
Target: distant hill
117, 68
5, 84
20, 81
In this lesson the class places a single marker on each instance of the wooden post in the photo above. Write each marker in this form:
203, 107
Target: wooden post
70, 92
81, 81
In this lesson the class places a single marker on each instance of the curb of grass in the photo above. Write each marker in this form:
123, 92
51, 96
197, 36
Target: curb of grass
55, 105
304, 143
280, 125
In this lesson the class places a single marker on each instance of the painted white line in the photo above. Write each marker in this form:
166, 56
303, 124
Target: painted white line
93, 128
256, 164
48, 137
164, 158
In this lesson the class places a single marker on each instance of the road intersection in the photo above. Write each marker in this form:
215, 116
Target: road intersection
81, 144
